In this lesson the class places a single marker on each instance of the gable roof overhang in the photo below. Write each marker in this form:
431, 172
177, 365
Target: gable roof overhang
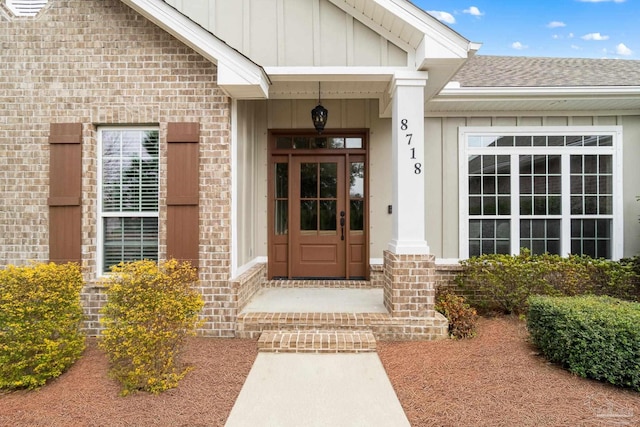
238, 76
432, 49
473, 101
434, 52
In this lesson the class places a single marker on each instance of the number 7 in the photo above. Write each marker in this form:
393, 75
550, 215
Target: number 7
409, 135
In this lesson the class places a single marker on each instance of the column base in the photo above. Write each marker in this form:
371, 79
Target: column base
409, 284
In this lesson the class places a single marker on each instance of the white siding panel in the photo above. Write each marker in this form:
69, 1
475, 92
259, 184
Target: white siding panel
263, 32
396, 56
366, 45
293, 32
631, 183
333, 34
227, 23
298, 33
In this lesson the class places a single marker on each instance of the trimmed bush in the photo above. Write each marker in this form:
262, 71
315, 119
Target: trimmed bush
593, 337
151, 309
40, 323
462, 317
504, 283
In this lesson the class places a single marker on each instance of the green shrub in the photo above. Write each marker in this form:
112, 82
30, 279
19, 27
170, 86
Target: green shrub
504, 282
594, 337
462, 317
150, 311
40, 323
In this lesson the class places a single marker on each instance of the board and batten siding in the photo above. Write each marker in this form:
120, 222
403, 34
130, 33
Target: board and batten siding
292, 32
441, 156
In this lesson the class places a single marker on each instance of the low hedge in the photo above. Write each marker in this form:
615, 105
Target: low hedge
40, 323
503, 283
594, 337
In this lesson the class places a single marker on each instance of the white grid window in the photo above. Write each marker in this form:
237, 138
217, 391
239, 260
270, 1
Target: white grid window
547, 189
129, 182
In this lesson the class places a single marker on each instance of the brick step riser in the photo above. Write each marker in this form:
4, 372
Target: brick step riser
316, 341
380, 331
332, 284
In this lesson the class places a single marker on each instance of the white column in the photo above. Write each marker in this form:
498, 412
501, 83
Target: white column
408, 234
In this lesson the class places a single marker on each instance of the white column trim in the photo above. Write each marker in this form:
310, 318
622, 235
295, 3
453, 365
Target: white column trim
234, 188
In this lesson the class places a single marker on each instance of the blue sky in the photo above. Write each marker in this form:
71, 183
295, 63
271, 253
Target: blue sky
556, 28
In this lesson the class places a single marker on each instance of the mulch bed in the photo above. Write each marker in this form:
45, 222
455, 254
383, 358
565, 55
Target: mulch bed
498, 379
495, 379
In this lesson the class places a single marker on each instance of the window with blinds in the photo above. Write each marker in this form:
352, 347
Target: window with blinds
129, 183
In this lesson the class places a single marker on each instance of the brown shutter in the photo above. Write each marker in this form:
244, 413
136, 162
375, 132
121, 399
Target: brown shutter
183, 192
65, 192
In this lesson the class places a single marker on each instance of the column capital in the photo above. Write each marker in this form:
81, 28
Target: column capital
408, 78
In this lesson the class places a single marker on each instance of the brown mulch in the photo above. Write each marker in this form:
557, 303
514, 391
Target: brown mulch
495, 379
498, 379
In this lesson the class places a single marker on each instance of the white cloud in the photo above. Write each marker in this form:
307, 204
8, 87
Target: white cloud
576, 47
570, 35
518, 46
442, 16
621, 49
473, 11
594, 36
555, 37
601, 1
556, 24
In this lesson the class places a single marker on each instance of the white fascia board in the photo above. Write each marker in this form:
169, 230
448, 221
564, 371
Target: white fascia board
509, 92
235, 71
328, 74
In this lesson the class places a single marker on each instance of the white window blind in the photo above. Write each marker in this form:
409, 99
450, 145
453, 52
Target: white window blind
129, 180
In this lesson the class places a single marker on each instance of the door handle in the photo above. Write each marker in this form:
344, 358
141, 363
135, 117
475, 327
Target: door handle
342, 224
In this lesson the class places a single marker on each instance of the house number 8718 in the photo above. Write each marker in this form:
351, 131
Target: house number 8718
417, 167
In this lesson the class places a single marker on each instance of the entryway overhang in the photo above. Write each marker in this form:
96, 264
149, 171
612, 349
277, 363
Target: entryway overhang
238, 76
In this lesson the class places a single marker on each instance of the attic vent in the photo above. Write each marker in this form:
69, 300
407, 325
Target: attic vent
26, 7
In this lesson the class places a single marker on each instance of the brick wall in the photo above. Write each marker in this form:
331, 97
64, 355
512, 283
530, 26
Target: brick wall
98, 62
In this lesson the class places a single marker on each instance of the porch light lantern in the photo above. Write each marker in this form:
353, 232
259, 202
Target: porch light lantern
319, 114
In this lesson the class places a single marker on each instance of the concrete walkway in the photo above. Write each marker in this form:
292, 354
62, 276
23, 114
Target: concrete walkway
299, 390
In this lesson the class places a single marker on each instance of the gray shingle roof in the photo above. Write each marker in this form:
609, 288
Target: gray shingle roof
514, 71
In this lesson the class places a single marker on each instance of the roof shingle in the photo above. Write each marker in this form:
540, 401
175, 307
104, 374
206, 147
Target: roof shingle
514, 71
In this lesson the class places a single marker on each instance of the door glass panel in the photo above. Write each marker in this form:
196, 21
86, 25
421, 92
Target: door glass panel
328, 180
282, 180
282, 217
354, 142
356, 180
328, 215
357, 215
308, 215
308, 180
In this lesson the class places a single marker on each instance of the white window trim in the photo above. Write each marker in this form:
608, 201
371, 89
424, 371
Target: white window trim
100, 213
615, 150
29, 8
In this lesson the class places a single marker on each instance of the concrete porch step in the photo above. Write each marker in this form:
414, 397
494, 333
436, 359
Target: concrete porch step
317, 341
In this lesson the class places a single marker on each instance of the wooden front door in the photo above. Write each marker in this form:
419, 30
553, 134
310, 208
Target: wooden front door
318, 216
317, 206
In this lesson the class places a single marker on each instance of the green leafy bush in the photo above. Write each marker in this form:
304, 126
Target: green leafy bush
462, 317
150, 311
504, 282
40, 323
594, 337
